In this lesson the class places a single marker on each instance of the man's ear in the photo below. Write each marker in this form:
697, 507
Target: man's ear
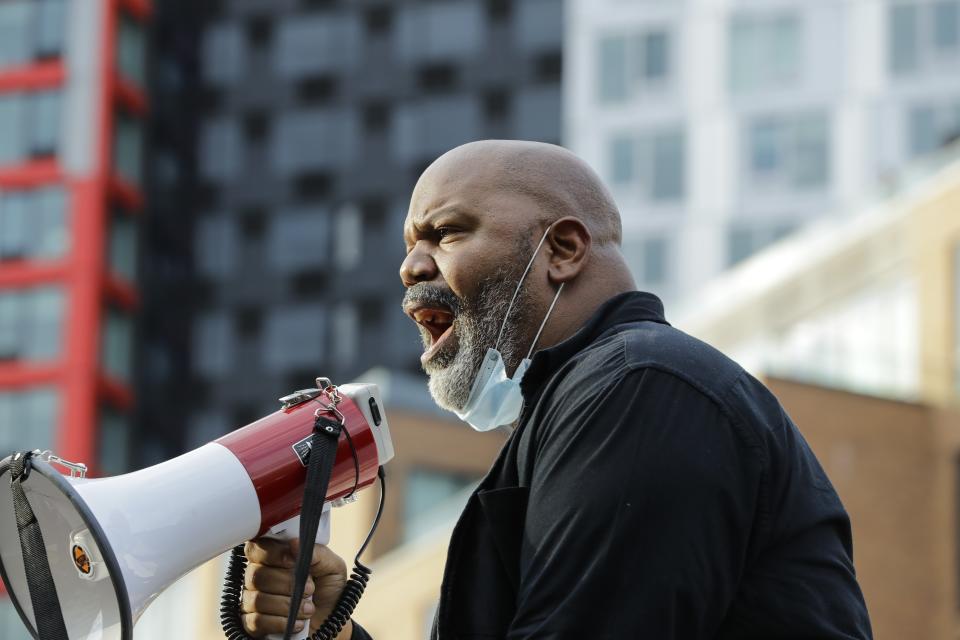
569, 242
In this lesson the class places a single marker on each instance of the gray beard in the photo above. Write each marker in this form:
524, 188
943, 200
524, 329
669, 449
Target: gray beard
476, 327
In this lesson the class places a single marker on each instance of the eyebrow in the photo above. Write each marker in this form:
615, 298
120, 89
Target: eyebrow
428, 218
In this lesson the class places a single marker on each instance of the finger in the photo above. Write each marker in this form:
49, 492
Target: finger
276, 553
258, 624
258, 577
323, 561
269, 604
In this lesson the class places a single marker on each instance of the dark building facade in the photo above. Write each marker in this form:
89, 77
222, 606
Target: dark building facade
287, 138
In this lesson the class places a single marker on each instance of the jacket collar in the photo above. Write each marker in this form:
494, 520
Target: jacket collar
624, 308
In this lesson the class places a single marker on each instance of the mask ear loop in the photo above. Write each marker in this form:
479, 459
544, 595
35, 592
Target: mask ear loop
545, 318
516, 291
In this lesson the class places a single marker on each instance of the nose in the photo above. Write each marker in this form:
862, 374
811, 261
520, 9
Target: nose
418, 266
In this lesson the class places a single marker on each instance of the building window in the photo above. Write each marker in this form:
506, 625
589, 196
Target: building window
613, 69
50, 25
923, 36
114, 442
221, 149
765, 51
439, 31
744, 239
932, 127
122, 247
656, 56
653, 162
430, 497
317, 44
428, 127
348, 237
654, 260
216, 246
903, 38
789, 152
213, 344
632, 65
346, 334
28, 419
33, 224
539, 25
31, 323
314, 139
536, 115
44, 119
946, 27
29, 126
294, 337
224, 56
116, 347
30, 30
128, 148
131, 54
297, 240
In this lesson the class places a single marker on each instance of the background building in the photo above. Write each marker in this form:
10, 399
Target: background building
857, 322
286, 141
723, 126
71, 109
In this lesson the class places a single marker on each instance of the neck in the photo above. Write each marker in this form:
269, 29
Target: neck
581, 298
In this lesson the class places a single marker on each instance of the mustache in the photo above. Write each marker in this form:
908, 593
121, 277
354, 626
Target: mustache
426, 294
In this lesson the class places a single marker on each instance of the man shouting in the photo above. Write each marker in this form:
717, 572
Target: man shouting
650, 488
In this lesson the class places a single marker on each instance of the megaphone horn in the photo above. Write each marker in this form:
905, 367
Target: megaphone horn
114, 544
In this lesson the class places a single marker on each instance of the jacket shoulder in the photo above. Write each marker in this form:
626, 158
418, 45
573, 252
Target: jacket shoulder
660, 346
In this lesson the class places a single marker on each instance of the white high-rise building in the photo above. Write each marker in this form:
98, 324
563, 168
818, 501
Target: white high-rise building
722, 125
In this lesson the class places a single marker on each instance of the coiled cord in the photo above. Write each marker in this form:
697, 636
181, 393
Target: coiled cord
232, 594
349, 598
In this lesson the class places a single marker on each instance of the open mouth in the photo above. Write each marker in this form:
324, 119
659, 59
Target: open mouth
439, 325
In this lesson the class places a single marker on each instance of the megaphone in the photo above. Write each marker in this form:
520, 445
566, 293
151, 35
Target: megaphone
114, 544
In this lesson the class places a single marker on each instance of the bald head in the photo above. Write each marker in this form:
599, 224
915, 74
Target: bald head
557, 180
496, 220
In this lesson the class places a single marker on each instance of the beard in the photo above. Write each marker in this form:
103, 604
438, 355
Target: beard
476, 325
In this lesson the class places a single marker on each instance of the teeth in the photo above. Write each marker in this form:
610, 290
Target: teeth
431, 316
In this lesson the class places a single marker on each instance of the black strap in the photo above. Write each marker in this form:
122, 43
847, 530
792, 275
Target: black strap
323, 453
43, 593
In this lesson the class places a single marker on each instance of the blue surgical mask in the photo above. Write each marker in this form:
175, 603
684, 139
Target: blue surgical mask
495, 399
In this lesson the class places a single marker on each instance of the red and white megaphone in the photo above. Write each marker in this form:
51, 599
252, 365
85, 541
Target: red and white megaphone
114, 544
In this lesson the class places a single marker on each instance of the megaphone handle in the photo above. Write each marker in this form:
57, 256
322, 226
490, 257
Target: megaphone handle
289, 530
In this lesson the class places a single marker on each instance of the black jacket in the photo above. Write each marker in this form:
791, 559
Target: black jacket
652, 489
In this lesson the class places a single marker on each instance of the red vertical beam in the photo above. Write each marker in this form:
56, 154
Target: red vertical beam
82, 325
89, 204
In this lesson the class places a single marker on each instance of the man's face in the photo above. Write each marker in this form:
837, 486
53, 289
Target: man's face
467, 246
